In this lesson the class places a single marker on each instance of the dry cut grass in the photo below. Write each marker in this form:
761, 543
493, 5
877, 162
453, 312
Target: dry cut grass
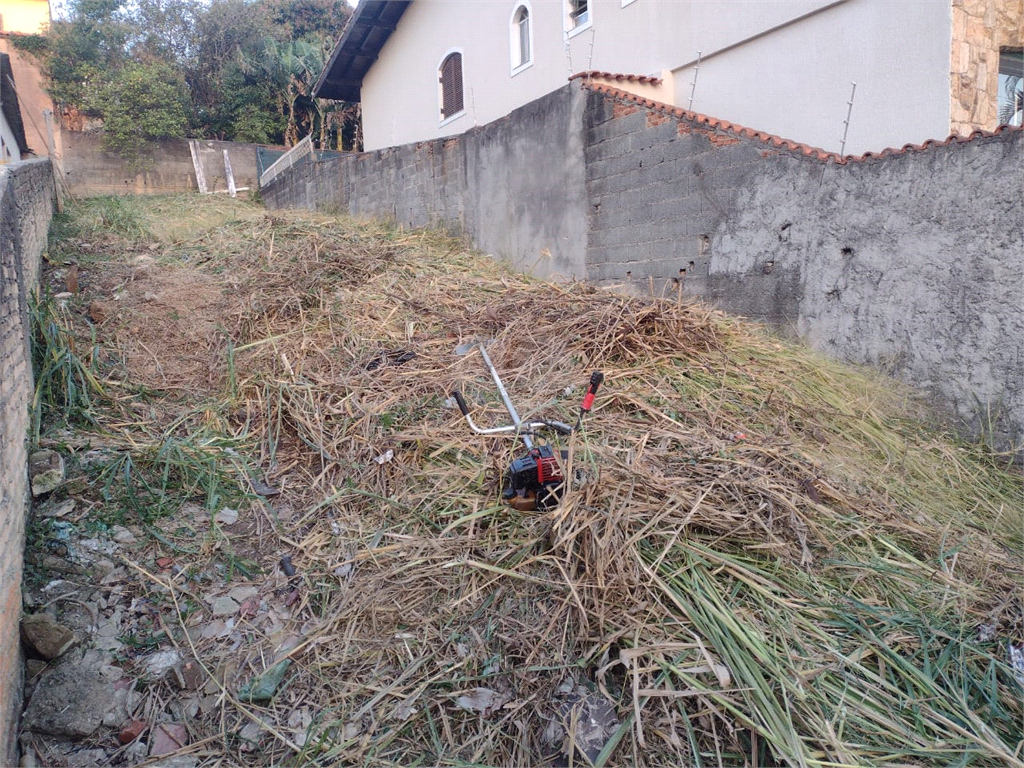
765, 559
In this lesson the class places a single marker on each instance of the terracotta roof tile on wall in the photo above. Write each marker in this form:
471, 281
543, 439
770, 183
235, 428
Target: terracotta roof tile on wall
776, 141
596, 75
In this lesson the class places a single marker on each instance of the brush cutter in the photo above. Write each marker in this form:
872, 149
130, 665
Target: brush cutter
534, 480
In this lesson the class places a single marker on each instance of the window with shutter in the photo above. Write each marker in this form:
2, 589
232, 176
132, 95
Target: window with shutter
451, 85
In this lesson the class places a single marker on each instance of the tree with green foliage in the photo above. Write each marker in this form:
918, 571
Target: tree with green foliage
78, 55
237, 69
142, 103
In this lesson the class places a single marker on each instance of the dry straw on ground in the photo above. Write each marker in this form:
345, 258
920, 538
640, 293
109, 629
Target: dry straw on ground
765, 559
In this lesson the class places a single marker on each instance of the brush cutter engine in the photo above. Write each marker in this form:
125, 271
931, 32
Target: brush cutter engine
533, 481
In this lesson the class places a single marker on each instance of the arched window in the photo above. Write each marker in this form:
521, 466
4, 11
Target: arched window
450, 76
521, 39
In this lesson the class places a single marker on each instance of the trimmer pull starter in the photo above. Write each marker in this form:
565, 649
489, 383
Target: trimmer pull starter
534, 480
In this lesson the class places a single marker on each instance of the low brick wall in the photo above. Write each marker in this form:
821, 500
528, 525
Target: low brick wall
26, 207
90, 171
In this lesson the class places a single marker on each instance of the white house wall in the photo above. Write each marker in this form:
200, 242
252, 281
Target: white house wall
796, 82
775, 77
10, 152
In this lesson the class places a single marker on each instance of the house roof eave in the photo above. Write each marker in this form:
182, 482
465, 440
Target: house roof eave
370, 26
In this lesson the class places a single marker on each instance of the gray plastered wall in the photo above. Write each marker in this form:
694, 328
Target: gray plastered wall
912, 262
515, 186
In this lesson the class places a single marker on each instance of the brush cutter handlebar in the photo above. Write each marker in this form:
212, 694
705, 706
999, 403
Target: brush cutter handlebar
524, 428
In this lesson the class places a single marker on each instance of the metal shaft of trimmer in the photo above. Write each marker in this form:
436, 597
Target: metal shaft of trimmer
504, 396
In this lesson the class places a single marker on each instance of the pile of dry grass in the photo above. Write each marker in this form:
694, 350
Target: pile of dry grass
767, 560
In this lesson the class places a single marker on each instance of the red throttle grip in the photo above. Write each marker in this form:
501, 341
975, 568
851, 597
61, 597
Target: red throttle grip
595, 381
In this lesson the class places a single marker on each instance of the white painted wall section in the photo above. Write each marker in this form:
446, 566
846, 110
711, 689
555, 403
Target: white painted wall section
796, 81
9, 152
782, 66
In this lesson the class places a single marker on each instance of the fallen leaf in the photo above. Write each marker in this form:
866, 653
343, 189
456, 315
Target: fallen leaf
214, 629
591, 720
287, 567
98, 311
226, 516
483, 700
812, 493
262, 489
249, 608
404, 711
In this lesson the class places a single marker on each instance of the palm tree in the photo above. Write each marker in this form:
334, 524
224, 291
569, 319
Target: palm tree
1011, 107
287, 64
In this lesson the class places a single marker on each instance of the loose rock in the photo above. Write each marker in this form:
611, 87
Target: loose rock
161, 662
132, 731
226, 516
76, 696
122, 535
224, 606
189, 676
45, 636
46, 468
85, 758
167, 738
177, 761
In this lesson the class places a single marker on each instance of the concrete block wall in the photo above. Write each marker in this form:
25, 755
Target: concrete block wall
26, 207
658, 186
514, 186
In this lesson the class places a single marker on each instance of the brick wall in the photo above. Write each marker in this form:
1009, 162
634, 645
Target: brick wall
26, 206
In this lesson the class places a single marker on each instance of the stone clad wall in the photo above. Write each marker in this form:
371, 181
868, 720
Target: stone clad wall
980, 29
26, 206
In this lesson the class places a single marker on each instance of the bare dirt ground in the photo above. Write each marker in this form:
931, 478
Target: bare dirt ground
277, 542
